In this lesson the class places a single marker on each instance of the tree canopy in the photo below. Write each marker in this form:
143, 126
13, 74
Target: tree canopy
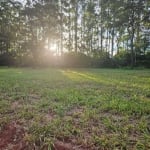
99, 33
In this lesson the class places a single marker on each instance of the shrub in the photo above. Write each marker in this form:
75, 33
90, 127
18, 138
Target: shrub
122, 59
73, 59
6, 59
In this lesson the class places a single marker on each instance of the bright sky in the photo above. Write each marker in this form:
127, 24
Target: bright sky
22, 1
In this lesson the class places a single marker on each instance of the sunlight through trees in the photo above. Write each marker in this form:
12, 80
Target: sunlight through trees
112, 32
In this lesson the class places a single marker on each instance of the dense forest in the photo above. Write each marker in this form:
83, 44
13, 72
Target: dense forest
80, 33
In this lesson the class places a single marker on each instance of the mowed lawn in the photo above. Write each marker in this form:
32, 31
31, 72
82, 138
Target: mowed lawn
74, 109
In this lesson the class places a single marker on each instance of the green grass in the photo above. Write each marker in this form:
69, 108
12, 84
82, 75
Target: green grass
88, 108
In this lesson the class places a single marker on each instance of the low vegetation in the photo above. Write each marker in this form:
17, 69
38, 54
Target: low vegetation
80, 109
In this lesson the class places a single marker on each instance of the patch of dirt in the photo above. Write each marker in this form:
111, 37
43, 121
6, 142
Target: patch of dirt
50, 115
58, 145
113, 116
12, 137
75, 111
74, 114
15, 105
34, 97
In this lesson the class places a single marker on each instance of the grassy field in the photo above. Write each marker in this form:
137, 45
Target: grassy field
74, 109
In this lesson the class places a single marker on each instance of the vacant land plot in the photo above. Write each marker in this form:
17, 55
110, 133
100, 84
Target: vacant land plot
74, 109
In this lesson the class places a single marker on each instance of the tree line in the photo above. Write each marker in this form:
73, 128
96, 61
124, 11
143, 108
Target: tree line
86, 33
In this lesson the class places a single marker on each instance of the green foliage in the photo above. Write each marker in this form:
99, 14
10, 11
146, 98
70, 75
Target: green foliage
32, 33
7, 59
122, 59
143, 60
100, 59
73, 59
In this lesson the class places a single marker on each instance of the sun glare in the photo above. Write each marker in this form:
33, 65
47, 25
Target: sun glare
53, 47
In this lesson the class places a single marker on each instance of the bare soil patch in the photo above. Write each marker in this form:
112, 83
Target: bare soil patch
50, 116
12, 137
15, 105
75, 111
59, 145
34, 97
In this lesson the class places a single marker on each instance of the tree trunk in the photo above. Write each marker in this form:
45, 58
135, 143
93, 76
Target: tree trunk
76, 27
61, 29
132, 50
112, 42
